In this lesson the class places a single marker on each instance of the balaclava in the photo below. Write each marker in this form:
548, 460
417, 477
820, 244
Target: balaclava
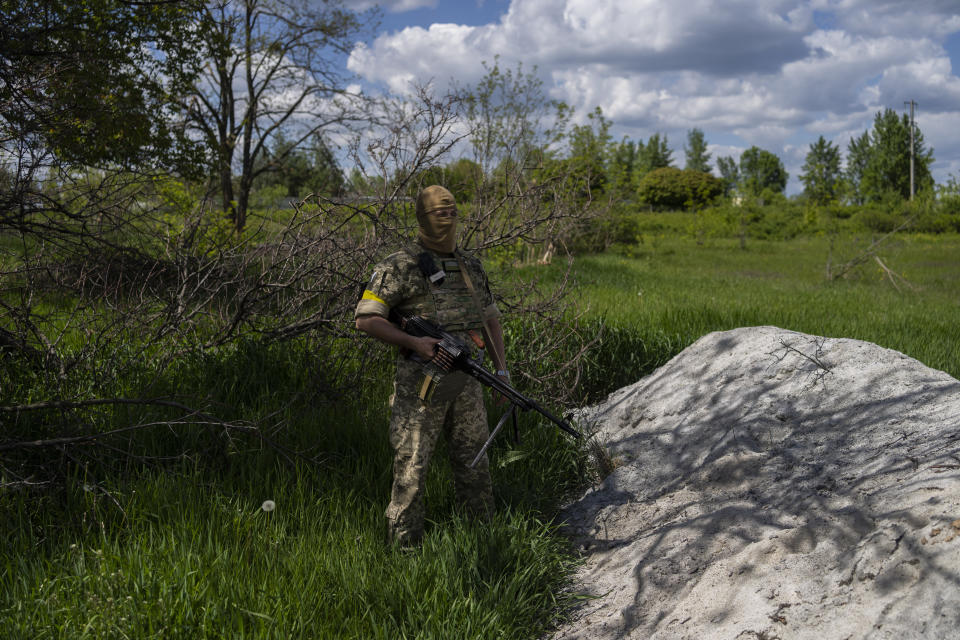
438, 234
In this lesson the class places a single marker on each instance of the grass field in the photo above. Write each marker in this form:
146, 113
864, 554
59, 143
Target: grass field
183, 549
672, 290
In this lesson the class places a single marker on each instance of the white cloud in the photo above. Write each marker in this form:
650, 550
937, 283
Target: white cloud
907, 18
443, 52
709, 36
941, 131
840, 126
832, 77
928, 81
765, 72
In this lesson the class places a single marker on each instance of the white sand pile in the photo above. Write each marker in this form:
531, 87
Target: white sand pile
771, 485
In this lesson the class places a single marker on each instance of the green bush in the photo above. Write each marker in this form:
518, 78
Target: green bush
781, 222
670, 188
937, 222
948, 196
619, 225
662, 222
877, 218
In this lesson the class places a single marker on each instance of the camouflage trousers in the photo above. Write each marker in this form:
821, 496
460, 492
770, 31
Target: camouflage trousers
415, 427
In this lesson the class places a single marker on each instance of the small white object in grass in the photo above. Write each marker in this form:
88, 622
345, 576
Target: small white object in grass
268, 505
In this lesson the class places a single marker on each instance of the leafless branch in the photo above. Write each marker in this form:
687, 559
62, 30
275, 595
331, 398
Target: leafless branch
822, 368
893, 276
869, 252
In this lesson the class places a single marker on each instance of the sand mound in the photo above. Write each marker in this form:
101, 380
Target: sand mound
773, 484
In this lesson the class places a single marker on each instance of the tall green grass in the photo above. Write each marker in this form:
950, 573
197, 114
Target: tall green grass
183, 549
194, 557
672, 290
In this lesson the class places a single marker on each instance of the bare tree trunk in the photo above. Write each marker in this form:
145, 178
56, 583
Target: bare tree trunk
226, 184
243, 201
249, 118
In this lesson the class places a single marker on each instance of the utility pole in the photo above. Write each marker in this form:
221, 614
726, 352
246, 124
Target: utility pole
912, 105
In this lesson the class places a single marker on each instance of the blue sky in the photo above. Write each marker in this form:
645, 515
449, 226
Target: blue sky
468, 12
772, 73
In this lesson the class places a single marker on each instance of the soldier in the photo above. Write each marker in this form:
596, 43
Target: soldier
434, 279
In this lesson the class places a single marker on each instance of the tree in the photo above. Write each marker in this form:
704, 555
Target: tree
858, 157
888, 164
655, 154
463, 177
696, 151
587, 154
516, 135
89, 83
84, 134
760, 169
507, 112
271, 69
821, 171
729, 173
309, 169
622, 168
84, 122
326, 177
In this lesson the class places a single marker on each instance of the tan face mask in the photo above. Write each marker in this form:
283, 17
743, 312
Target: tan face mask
438, 233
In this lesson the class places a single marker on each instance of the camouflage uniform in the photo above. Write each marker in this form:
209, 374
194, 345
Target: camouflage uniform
456, 407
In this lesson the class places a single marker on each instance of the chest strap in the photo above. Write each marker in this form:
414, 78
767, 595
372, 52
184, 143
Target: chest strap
483, 318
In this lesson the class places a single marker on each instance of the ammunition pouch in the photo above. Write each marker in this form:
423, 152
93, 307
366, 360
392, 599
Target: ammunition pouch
438, 386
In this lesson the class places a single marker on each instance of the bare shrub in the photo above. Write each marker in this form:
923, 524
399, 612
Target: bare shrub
112, 278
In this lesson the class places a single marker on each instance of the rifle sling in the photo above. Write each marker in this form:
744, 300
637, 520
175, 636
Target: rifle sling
476, 302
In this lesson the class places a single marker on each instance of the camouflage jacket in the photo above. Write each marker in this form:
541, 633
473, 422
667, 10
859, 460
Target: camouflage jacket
397, 282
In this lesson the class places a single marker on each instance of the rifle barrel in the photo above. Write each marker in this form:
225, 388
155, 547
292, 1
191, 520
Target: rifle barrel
517, 398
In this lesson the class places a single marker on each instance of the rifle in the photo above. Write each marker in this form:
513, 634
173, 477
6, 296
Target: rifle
458, 353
